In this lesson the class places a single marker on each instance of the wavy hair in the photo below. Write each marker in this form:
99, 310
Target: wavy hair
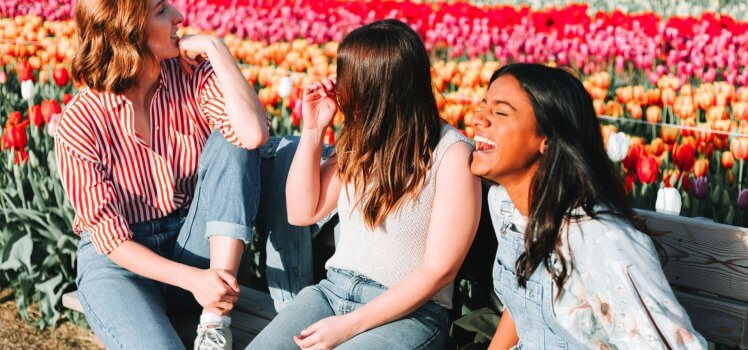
392, 124
112, 44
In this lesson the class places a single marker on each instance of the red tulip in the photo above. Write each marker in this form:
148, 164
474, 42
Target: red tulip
628, 181
24, 71
632, 159
14, 118
66, 98
21, 156
647, 169
684, 156
50, 107
35, 115
60, 75
14, 137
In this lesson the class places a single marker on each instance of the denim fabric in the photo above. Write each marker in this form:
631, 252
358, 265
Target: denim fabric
535, 303
344, 292
127, 311
289, 248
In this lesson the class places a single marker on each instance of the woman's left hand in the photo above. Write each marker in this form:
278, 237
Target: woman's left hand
193, 49
326, 333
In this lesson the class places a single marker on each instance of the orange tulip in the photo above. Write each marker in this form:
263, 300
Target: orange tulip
705, 99
686, 90
742, 94
740, 110
668, 97
640, 95
613, 109
654, 114
653, 96
704, 134
599, 106
727, 160
625, 94
687, 124
716, 113
656, 147
634, 109
701, 167
669, 135
739, 148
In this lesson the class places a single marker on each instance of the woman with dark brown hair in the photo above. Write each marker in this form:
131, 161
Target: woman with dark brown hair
407, 202
163, 207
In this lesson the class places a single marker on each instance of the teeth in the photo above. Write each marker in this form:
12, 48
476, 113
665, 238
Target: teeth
482, 139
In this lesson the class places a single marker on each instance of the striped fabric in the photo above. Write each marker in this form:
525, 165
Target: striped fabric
112, 177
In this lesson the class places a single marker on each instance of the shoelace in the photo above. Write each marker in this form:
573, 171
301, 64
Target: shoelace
212, 338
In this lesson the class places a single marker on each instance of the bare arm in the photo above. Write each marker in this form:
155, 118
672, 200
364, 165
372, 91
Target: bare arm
312, 190
458, 195
506, 333
214, 289
239, 97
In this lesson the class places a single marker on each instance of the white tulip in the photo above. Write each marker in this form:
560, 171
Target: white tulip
284, 87
618, 146
28, 90
668, 201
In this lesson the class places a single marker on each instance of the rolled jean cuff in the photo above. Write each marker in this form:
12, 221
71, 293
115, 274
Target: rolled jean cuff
229, 229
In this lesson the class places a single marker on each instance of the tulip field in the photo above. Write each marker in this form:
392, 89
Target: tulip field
671, 93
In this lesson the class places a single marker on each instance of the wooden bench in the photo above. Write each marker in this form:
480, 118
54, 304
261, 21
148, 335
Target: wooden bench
707, 267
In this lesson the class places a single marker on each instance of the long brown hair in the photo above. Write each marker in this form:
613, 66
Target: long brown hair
392, 123
574, 172
112, 44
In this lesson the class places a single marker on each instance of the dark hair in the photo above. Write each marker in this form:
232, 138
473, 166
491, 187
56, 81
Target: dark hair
392, 123
574, 171
112, 44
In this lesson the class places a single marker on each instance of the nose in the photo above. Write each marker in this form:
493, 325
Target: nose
479, 117
178, 17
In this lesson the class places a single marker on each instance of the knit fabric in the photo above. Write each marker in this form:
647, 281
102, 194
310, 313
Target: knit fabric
395, 248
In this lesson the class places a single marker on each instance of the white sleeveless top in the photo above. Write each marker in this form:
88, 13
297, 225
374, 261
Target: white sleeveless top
395, 248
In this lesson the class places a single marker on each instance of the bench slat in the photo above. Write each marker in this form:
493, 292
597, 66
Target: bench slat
703, 255
718, 320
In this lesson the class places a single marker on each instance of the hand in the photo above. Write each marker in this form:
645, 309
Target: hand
326, 333
193, 50
215, 290
318, 104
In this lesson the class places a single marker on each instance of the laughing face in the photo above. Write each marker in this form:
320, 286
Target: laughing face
161, 29
508, 141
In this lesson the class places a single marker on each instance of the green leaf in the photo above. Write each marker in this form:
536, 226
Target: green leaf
482, 322
51, 293
18, 253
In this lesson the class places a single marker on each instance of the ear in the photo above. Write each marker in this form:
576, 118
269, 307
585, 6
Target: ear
544, 145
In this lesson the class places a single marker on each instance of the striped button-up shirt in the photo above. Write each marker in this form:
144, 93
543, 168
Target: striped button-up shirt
112, 177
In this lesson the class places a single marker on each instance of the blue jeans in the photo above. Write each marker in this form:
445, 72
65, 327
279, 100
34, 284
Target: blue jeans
289, 248
127, 311
344, 292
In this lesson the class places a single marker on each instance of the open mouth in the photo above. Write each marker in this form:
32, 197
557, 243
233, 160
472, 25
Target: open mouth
483, 144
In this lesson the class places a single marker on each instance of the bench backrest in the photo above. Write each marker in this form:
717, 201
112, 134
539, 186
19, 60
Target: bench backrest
707, 266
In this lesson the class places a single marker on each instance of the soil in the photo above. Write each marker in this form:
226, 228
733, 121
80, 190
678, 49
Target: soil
15, 333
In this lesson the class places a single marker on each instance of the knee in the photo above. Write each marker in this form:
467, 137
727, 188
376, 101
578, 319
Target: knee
224, 156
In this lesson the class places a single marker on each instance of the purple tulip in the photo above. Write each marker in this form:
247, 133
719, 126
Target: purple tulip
743, 199
700, 187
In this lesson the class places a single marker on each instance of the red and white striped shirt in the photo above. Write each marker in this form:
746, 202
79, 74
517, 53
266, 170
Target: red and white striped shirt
112, 177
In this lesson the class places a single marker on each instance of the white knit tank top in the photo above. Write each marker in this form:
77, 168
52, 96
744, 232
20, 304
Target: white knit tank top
395, 248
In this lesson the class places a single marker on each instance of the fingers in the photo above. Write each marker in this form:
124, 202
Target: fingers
229, 279
308, 341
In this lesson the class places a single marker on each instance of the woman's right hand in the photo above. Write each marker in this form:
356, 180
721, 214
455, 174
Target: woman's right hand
319, 105
215, 290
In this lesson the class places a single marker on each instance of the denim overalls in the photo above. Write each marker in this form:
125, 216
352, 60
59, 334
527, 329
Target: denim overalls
531, 307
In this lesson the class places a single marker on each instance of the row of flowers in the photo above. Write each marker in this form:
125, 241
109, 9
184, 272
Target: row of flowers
666, 119
706, 48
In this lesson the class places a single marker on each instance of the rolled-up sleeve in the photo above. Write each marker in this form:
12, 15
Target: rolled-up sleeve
211, 103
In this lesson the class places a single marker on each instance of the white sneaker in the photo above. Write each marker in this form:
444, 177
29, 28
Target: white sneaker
213, 336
